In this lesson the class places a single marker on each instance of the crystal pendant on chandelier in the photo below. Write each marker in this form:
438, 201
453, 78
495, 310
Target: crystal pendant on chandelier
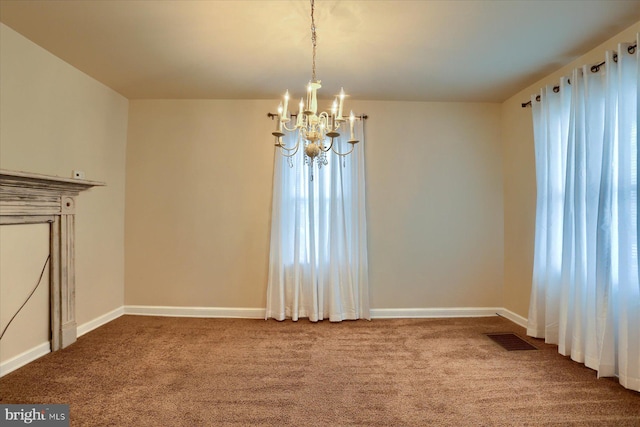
313, 128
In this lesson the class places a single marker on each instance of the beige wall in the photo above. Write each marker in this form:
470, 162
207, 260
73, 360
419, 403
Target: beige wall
520, 181
56, 119
199, 198
434, 189
198, 203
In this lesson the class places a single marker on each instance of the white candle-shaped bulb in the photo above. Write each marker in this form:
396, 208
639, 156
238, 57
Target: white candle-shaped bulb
352, 119
334, 111
286, 103
314, 100
299, 121
280, 117
341, 102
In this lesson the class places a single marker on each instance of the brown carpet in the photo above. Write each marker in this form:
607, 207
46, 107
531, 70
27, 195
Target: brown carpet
152, 371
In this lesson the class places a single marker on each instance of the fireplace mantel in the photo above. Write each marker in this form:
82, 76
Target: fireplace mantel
29, 198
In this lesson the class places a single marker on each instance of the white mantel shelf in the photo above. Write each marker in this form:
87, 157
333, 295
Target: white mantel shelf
30, 198
44, 179
23, 194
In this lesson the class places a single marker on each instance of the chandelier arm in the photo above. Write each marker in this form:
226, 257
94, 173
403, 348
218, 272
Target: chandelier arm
353, 146
283, 154
326, 150
284, 125
295, 147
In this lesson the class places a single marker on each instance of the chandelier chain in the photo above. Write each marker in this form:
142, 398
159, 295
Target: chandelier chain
313, 41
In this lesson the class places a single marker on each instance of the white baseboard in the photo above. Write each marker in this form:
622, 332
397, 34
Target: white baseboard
99, 321
376, 313
214, 312
417, 313
45, 348
24, 358
515, 318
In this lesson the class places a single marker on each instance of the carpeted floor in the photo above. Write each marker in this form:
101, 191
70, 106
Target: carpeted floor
152, 371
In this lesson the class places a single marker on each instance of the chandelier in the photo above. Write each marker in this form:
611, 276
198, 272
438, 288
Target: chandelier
313, 127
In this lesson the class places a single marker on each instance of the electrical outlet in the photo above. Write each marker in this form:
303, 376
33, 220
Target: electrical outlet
78, 174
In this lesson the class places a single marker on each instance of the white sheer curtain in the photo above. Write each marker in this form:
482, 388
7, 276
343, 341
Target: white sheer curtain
586, 291
318, 255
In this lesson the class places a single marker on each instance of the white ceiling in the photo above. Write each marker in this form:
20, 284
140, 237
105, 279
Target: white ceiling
382, 50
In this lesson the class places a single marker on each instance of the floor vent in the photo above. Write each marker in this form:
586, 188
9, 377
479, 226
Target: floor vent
511, 342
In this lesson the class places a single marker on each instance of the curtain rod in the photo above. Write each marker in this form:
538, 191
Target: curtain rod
272, 115
594, 69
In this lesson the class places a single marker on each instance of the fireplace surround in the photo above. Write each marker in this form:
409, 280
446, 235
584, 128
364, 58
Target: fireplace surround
29, 198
